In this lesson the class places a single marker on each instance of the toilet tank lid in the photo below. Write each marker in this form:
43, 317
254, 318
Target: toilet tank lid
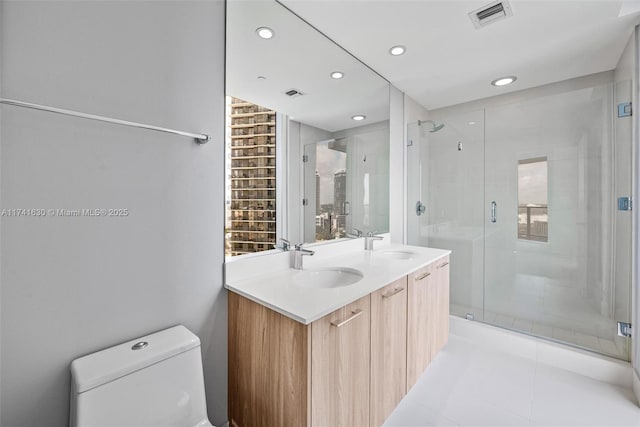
98, 368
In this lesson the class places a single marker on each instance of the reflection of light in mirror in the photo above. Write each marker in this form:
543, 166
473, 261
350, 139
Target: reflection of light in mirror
265, 32
503, 81
397, 50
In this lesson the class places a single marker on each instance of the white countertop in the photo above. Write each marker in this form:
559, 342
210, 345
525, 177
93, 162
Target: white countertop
278, 290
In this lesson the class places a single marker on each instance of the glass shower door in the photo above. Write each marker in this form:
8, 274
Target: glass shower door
555, 250
526, 196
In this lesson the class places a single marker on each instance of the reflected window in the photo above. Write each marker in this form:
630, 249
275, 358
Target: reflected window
331, 203
250, 197
533, 218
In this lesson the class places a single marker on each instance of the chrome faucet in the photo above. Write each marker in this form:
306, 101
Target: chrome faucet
283, 244
355, 234
298, 253
368, 241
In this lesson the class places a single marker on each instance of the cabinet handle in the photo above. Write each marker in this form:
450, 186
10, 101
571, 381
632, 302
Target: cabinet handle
422, 276
444, 264
354, 314
393, 292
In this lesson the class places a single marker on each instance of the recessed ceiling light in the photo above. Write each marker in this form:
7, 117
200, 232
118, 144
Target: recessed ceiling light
337, 75
265, 32
359, 117
503, 81
471, 123
397, 50
262, 78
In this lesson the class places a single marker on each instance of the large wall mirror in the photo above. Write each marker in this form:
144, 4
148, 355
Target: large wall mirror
307, 134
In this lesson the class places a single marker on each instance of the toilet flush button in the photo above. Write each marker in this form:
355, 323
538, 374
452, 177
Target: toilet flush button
139, 345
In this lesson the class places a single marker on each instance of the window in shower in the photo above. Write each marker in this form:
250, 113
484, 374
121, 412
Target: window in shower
533, 218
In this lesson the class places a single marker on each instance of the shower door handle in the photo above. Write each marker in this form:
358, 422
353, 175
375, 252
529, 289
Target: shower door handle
494, 211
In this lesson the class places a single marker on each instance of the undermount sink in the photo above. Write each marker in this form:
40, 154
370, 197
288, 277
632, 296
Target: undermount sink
397, 254
332, 277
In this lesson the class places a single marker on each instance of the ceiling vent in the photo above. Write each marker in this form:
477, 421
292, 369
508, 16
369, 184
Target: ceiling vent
493, 12
293, 93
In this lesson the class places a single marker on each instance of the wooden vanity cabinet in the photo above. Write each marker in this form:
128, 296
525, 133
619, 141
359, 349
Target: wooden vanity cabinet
388, 349
349, 368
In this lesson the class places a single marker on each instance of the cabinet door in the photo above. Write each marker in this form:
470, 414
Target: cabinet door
268, 367
441, 320
420, 319
340, 362
388, 349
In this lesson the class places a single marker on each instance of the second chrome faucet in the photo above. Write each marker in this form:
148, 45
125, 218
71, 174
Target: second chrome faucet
298, 253
369, 239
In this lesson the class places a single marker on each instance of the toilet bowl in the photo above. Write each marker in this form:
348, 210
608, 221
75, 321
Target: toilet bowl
155, 380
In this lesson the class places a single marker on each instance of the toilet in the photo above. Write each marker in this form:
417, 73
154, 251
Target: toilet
155, 380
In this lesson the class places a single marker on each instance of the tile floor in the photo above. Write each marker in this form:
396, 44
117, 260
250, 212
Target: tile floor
471, 385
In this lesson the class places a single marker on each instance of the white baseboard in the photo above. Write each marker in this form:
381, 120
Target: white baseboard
572, 359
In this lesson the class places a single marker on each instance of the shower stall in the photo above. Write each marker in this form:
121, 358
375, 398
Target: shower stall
530, 193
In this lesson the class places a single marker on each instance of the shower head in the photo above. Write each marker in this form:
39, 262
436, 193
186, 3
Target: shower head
434, 126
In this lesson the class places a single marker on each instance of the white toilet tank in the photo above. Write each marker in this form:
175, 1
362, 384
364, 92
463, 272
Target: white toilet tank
155, 380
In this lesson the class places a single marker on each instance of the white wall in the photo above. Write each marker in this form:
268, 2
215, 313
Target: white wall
74, 285
397, 167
